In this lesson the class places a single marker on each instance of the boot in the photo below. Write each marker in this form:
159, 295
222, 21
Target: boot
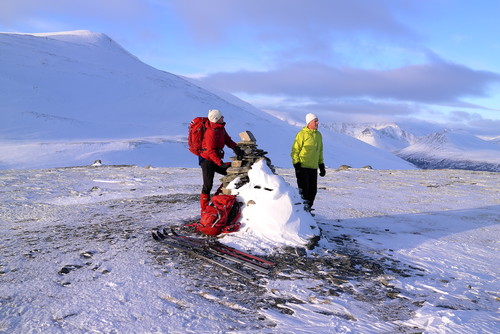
204, 200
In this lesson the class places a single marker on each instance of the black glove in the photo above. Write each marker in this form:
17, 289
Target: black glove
239, 152
225, 165
296, 166
322, 171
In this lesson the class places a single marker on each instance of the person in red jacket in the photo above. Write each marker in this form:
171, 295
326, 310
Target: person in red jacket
212, 153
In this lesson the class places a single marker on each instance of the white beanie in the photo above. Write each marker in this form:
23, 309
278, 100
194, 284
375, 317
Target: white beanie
310, 117
214, 115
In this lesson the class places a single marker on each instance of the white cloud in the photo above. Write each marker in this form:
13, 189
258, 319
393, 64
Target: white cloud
427, 83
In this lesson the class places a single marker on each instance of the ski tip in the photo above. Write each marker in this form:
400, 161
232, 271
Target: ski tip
155, 236
169, 232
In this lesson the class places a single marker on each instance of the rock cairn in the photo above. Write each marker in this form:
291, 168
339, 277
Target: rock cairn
241, 165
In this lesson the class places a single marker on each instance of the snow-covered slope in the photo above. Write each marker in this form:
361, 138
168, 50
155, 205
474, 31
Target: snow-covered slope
71, 98
453, 149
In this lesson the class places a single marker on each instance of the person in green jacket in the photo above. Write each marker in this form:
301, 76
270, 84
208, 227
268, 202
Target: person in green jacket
307, 157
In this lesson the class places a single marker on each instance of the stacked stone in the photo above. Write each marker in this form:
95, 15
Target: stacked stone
241, 165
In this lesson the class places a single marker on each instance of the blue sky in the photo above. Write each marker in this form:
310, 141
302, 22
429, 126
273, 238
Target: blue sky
348, 60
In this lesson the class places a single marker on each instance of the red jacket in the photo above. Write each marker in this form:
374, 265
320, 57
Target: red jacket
214, 140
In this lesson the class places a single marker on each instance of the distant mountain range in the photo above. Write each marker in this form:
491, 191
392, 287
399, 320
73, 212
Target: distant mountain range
453, 149
386, 136
428, 146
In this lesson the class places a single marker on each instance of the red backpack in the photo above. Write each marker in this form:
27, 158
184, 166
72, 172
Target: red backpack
196, 130
221, 215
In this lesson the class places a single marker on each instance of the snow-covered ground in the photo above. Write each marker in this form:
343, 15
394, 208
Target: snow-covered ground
403, 251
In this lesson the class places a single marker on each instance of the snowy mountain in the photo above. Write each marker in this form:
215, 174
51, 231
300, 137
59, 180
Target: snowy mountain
427, 145
387, 136
453, 149
70, 98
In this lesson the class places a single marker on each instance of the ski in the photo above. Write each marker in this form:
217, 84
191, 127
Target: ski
224, 249
243, 254
243, 261
198, 252
204, 244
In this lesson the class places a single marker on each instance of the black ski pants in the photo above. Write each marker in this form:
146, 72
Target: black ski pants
307, 181
208, 169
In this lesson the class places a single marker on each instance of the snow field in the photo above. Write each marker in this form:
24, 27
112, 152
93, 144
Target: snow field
402, 251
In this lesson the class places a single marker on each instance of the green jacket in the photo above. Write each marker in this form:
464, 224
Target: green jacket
308, 148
